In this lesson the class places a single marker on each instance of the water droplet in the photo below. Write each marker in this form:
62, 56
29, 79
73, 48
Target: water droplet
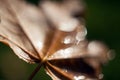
79, 77
101, 76
67, 40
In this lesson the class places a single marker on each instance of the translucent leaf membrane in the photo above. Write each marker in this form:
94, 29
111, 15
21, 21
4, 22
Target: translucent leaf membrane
76, 66
34, 24
25, 26
75, 59
72, 69
66, 70
12, 34
61, 14
66, 43
12, 31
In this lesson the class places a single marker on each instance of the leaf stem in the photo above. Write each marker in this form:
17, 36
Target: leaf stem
35, 71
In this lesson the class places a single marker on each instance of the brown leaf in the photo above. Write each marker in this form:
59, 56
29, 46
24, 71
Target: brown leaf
52, 35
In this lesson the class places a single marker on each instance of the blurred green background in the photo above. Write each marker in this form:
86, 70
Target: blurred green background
103, 23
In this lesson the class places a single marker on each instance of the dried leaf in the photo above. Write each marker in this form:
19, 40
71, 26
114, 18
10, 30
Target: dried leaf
52, 35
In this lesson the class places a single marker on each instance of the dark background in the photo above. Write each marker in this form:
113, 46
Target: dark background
102, 22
